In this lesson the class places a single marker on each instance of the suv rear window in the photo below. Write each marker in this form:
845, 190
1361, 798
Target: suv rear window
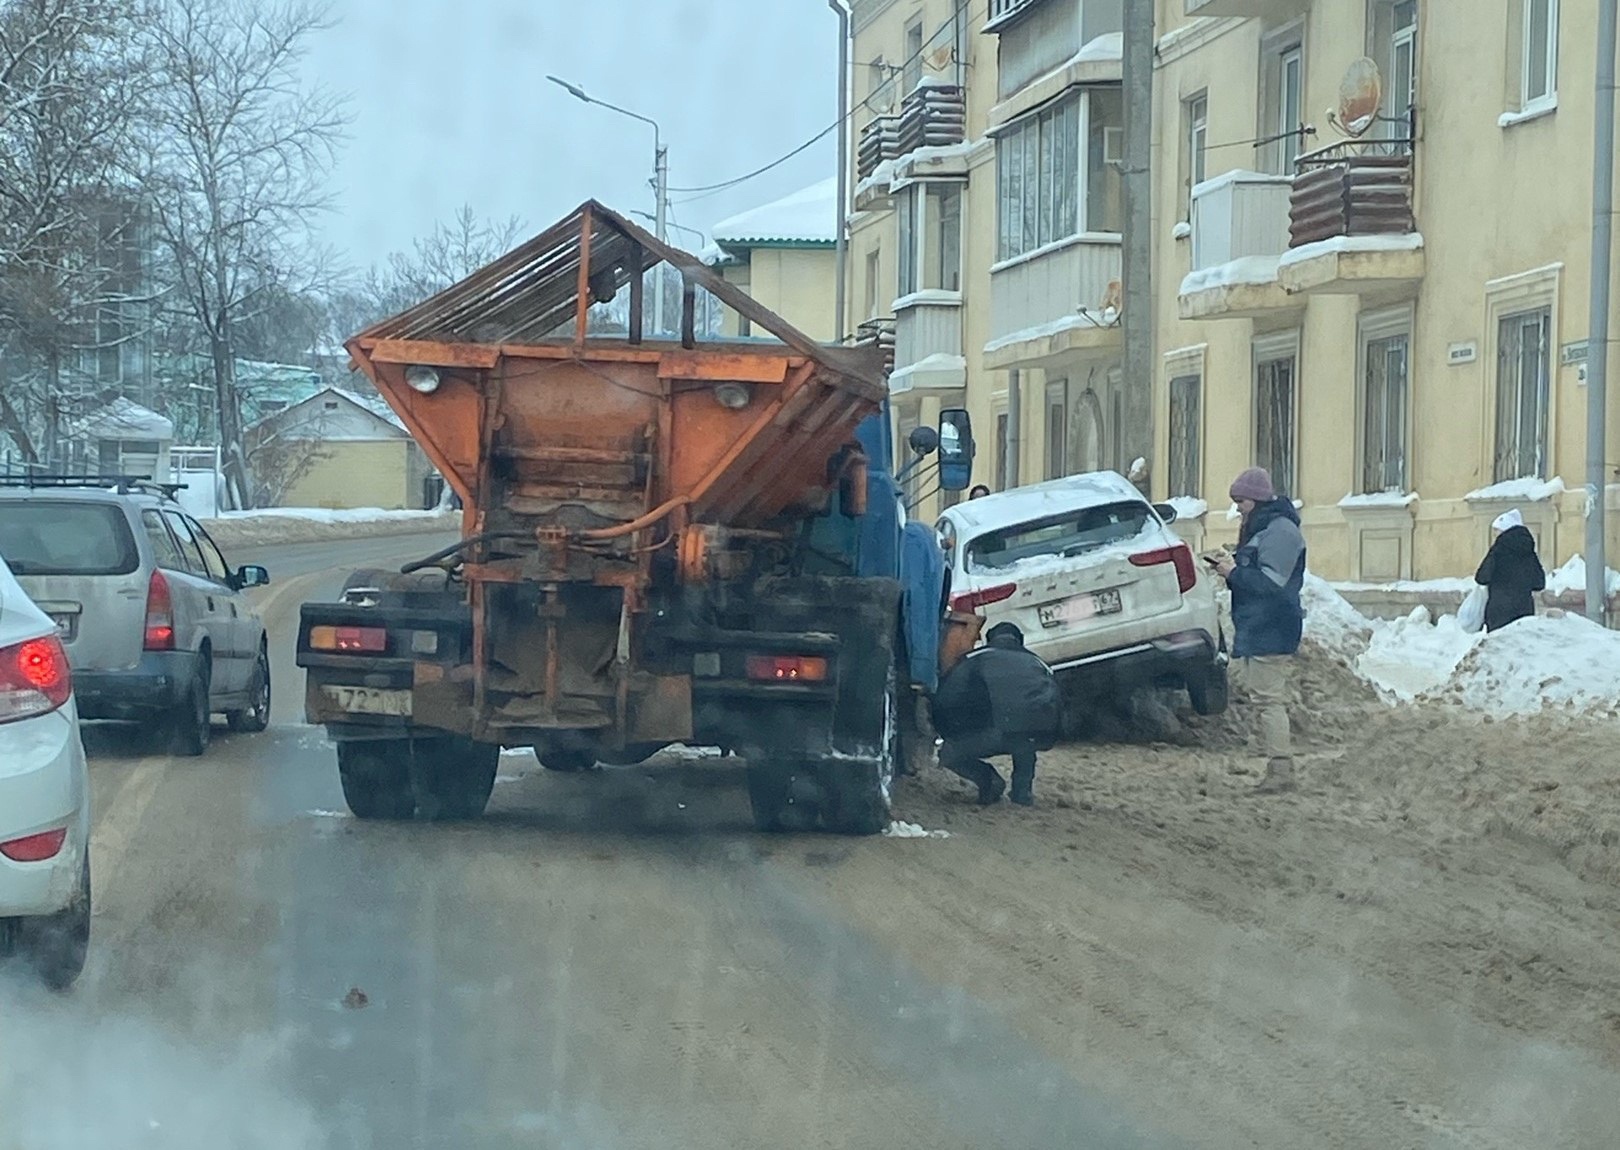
1072, 533
50, 537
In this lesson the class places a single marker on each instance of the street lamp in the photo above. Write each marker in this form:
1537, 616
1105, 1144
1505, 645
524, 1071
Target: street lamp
660, 181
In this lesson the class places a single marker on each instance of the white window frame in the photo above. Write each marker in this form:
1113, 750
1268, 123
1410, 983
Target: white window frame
1379, 327
1027, 131
1533, 102
919, 234
1515, 295
1195, 115
911, 67
1275, 348
1282, 51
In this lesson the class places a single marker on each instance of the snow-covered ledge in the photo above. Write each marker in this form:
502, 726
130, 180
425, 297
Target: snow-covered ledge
1536, 499
1363, 263
1382, 525
937, 372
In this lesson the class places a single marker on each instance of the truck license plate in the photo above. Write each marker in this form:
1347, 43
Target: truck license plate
369, 700
1080, 608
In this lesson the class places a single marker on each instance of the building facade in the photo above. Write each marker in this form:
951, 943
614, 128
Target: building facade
783, 255
1383, 269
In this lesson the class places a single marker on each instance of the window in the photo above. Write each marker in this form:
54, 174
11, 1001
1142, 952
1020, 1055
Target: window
1105, 178
1038, 169
1072, 533
1186, 435
1003, 429
48, 537
212, 559
1057, 428
879, 88
873, 259
1386, 383
1402, 70
1539, 75
165, 552
930, 232
1275, 383
1283, 96
1523, 393
1195, 115
912, 73
189, 549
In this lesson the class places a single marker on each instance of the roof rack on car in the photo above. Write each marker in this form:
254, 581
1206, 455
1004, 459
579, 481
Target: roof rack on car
123, 484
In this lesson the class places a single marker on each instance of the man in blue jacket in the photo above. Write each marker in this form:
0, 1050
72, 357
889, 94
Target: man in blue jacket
1266, 576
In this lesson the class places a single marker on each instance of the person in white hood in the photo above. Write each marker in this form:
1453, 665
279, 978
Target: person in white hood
1511, 573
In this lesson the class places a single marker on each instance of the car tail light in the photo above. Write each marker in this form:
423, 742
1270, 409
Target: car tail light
787, 668
350, 640
35, 848
34, 679
973, 600
159, 614
1181, 555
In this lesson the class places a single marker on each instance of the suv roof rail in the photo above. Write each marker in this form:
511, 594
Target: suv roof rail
123, 484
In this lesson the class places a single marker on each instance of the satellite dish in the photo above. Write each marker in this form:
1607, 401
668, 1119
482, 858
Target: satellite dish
940, 58
1361, 95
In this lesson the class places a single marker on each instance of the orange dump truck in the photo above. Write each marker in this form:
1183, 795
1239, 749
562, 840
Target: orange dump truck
662, 542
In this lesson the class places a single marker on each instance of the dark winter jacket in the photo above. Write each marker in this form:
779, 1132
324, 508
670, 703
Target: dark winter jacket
1511, 574
1000, 687
1266, 583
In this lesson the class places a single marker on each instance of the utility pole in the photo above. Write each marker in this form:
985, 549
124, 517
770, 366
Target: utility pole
1015, 430
840, 291
1597, 343
1139, 374
661, 189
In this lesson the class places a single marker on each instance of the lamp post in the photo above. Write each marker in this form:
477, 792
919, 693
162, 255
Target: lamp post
660, 182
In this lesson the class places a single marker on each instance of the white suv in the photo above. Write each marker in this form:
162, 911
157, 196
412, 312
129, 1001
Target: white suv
1101, 587
44, 797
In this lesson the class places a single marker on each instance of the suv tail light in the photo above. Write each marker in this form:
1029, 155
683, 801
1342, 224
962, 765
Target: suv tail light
1181, 555
159, 614
34, 679
972, 600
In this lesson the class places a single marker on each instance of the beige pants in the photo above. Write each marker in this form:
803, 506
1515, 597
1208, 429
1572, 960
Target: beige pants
1266, 679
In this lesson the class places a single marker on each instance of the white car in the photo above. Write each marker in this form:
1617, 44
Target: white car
1101, 587
44, 797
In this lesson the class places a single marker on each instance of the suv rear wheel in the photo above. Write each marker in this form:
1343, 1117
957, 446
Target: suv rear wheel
1208, 688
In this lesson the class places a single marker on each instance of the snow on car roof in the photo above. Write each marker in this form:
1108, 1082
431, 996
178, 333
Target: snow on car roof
1040, 499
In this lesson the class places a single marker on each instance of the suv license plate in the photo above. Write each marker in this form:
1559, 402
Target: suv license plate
369, 700
1080, 608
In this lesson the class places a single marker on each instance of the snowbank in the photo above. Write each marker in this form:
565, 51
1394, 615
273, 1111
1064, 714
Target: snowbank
274, 526
1410, 657
330, 514
1571, 578
1331, 622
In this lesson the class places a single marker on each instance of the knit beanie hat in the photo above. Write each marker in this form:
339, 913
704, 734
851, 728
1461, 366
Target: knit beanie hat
1255, 484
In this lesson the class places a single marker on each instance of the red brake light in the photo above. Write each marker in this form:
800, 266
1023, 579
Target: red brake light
35, 848
969, 601
787, 668
159, 614
34, 679
1181, 555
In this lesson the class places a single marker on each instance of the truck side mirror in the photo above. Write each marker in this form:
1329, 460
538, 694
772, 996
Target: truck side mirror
956, 449
923, 441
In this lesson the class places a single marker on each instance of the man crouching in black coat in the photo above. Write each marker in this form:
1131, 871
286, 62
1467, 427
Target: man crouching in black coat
999, 700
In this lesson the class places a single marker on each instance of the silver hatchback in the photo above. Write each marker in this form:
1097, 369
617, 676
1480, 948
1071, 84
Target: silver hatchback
156, 628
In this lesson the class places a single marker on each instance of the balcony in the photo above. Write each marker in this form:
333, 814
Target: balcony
928, 343
1270, 10
1058, 302
1350, 222
933, 115
878, 333
1239, 235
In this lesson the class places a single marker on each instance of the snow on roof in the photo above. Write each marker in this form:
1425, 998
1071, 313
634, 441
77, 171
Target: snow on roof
123, 418
1528, 490
809, 216
1109, 46
1237, 176
374, 404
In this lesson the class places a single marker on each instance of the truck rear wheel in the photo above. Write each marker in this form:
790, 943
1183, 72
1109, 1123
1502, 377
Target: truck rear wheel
452, 778
859, 790
376, 779
782, 795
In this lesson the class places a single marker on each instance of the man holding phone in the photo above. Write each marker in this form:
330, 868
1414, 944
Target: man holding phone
1266, 576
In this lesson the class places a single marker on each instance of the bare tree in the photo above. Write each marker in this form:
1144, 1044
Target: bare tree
70, 73
239, 151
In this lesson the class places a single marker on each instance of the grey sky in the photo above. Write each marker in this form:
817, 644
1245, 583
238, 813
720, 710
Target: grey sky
451, 106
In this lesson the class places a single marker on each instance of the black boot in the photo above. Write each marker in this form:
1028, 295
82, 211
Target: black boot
1023, 775
991, 790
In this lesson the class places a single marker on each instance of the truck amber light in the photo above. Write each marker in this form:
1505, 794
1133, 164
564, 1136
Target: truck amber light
35, 848
1181, 555
973, 600
359, 640
787, 668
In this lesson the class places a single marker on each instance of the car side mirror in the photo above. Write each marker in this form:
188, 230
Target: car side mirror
956, 449
1167, 512
252, 576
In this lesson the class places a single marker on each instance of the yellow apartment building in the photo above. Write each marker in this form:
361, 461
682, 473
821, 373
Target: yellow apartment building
783, 255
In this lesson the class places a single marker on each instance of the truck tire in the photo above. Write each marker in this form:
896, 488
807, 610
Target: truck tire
1208, 689
860, 790
452, 778
376, 779
567, 762
783, 796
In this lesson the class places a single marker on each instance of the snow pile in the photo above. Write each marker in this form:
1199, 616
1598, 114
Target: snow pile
1571, 578
1331, 622
1410, 657
330, 514
1557, 662
900, 830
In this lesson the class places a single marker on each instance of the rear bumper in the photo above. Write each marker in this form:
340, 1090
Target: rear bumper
154, 685
1171, 656
43, 786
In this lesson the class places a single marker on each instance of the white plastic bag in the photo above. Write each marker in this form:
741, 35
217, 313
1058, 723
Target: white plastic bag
1471, 615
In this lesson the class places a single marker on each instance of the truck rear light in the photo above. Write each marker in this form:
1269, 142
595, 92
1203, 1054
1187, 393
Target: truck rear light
787, 668
350, 640
159, 614
1181, 555
972, 600
34, 679
35, 848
